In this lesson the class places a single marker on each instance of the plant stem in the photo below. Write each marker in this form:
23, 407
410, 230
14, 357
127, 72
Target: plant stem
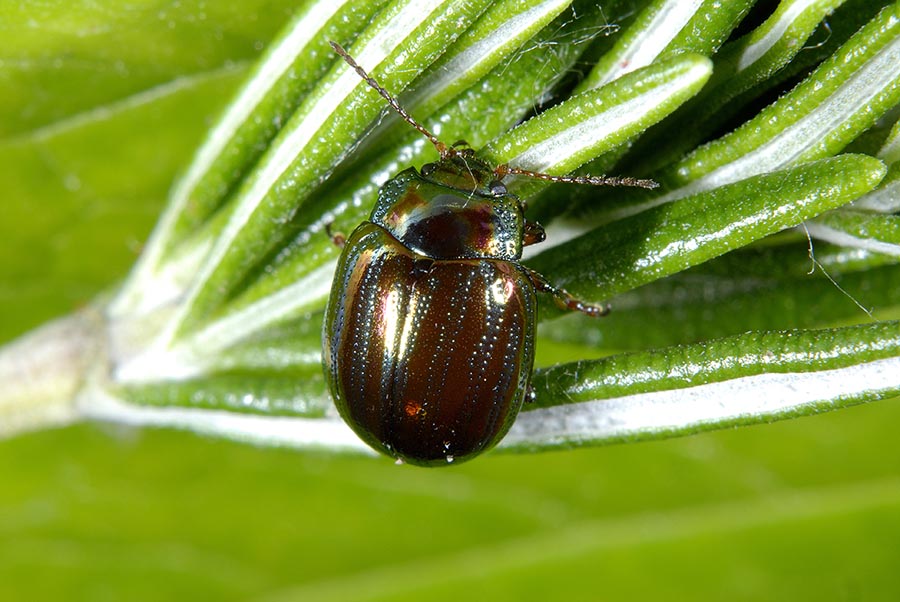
43, 371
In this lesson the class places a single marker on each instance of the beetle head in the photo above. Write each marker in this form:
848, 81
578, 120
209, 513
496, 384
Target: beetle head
465, 171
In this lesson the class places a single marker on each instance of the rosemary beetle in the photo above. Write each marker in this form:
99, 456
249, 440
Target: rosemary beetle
428, 342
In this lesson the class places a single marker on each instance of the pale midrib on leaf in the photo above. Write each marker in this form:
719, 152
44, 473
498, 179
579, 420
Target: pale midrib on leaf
548, 154
775, 31
480, 54
325, 433
798, 138
755, 398
839, 237
665, 25
253, 92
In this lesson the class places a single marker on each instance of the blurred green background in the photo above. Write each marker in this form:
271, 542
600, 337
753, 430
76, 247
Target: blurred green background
101, 104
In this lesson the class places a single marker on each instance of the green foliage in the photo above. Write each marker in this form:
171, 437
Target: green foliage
767, 264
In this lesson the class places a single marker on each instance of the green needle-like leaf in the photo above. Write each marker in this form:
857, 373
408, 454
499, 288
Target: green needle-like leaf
742, 68
687, 232
877, 233
885, 198
667, 28
742, 380
567, 136
795, 284
837, 102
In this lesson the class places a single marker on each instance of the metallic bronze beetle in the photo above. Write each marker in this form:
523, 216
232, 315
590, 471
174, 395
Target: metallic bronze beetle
430, 326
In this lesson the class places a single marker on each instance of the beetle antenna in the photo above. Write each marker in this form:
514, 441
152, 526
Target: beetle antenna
442, 148
505, 170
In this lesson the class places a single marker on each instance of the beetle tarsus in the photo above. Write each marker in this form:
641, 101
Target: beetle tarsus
534, 234
565, 300
337, 238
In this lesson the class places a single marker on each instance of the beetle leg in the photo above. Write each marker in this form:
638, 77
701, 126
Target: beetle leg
530, 395
534, 233
337, 238
564, 300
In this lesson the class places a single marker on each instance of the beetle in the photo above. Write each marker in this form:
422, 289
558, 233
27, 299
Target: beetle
428, 341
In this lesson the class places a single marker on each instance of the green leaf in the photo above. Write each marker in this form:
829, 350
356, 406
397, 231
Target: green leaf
743, 69
82, 194
885, 198
794, 284
587, 124
806, 508
877, 233
61, 60
265, 393
670, 238
746, 379
842, 98
667, 28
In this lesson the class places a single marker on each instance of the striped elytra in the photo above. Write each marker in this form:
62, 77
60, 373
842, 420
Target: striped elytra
428, 360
